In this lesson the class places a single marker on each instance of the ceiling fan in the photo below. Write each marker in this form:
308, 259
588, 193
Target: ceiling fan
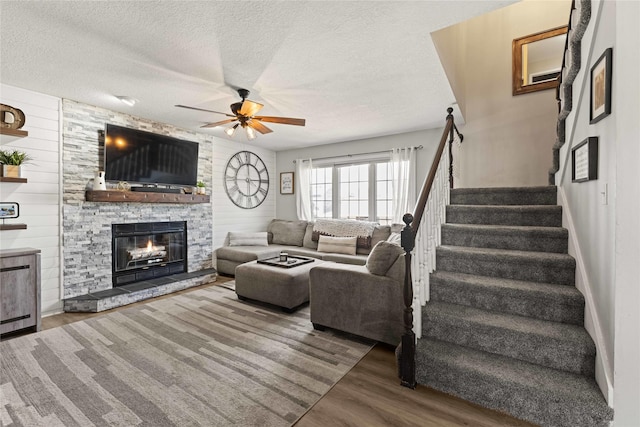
244, 113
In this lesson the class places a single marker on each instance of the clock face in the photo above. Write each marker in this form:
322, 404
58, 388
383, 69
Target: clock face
246, 180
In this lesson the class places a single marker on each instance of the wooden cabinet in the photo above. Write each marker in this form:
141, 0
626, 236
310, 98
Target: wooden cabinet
19, 289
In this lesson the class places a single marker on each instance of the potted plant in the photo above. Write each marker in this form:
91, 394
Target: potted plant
200, 187
11, 162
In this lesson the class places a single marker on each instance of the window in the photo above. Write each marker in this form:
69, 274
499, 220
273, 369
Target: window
360, 191
353, 194
321, 192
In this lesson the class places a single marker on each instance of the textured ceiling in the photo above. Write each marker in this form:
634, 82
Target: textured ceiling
353, 69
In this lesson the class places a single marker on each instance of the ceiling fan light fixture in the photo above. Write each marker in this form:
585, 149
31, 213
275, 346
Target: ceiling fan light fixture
127, 100
230, 131
251, 134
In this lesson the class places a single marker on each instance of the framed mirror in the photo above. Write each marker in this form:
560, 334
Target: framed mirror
537, 60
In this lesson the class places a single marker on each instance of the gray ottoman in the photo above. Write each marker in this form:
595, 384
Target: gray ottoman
285, 287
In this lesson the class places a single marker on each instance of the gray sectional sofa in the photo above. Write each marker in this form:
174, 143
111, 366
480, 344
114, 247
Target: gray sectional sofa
295, 238
361, 294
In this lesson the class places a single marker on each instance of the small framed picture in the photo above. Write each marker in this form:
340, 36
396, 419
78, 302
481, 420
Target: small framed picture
584, 160
9, 210
600, 105
286, 182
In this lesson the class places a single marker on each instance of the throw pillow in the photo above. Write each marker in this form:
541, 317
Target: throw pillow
337, 245
381, 232
248, 239
394, 238
382, 257
290, 233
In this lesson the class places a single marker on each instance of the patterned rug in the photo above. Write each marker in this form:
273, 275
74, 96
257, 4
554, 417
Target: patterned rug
201, 358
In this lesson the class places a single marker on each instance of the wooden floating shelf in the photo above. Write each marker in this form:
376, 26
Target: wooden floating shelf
12, 179
116, 196
8, 135
13, 227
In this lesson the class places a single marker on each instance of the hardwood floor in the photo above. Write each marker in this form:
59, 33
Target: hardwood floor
370, 394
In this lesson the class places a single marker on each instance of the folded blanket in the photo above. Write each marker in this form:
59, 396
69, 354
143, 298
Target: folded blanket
363, 230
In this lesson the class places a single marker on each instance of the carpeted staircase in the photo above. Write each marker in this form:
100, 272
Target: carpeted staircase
504, 326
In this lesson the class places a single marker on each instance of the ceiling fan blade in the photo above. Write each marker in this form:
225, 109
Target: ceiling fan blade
281, 120
222, 122
202, 109
249, 108
259, 127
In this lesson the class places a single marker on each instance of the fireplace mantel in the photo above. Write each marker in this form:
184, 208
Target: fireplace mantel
116, 196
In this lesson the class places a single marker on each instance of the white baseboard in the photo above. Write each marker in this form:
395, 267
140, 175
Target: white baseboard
604, 374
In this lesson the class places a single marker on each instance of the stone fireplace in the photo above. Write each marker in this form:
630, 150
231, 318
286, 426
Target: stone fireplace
89, 226
146, 250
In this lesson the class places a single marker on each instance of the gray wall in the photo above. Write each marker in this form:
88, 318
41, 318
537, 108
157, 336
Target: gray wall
602, 215
508, 138
429, 139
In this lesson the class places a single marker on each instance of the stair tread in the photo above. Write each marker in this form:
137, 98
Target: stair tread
548, 291
507, 207
526, 325
525, 373
489, 190
520, 380
553, 231
508, 253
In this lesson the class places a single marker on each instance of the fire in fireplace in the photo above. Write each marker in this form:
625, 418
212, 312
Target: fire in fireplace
144, 251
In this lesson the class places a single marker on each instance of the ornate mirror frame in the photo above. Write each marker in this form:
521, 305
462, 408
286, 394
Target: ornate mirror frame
518, 87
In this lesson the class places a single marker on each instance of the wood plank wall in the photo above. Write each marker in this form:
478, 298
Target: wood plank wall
227, 216
39, 198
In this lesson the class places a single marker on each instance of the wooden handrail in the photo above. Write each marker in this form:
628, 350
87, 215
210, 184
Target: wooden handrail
407, 348
449, 129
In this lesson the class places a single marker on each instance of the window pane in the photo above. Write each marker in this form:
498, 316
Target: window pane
363, 190
363, 208
353, 209
344, 190
381, 190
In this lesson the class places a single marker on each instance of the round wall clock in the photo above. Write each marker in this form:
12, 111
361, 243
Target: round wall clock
246, 180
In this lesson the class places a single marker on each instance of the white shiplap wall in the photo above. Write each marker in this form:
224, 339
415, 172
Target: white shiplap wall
39, 198
227, 216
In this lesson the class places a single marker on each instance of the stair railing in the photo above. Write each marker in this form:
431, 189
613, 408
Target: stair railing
420, 237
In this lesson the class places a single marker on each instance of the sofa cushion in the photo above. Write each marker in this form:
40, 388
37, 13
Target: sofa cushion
338, 245
382, 257
287, 232
248, 239
345, 259
309, 253
380, 233
307, 241
248, 253
345, 228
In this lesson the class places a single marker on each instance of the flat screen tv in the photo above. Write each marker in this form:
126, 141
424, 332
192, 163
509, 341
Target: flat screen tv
143, 157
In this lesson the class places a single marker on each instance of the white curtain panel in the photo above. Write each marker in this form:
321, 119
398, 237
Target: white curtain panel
303, 196
403, 169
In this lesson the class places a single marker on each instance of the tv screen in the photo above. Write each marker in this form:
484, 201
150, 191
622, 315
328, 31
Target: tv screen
143, 157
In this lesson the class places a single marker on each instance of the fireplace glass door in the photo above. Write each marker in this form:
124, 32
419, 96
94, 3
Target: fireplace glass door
147, 250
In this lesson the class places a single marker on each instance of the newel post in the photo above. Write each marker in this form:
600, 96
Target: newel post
407, 368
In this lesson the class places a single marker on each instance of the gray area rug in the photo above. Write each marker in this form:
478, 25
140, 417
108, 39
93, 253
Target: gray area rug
197, 359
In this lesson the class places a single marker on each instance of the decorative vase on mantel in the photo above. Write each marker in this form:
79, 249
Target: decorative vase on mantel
11, 171
99, 183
